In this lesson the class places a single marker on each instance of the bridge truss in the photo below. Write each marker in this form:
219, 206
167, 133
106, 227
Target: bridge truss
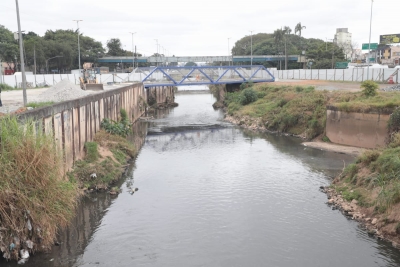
204, 75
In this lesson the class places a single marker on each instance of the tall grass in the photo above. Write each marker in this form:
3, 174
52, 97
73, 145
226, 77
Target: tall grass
35, 199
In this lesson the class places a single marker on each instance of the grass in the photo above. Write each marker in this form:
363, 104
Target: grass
107, 168
32, 187
39, 104
6, 87
302, 110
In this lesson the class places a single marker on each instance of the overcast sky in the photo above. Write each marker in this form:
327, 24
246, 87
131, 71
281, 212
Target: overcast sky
201, 28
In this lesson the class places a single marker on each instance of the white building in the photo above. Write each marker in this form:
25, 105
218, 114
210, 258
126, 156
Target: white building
343, 40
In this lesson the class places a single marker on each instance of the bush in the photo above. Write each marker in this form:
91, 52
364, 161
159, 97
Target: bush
122, 127
369, 88
394, 121
246, 85
5, 87
247, 96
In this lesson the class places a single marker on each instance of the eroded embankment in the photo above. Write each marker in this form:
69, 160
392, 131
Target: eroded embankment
368, 190
37, 199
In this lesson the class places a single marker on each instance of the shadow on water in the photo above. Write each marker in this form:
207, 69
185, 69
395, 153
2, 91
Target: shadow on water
312, 157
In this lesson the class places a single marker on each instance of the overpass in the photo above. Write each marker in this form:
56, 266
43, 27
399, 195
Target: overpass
201, 75
167, 60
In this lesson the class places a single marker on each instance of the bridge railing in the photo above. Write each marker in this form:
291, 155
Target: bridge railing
203, 75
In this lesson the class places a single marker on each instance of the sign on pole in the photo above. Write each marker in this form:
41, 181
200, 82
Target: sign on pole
374, 46
341, 65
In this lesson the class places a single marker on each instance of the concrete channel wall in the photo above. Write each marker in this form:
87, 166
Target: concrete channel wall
366, 130
72, 123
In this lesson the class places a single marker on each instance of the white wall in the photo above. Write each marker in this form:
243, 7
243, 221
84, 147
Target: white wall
354, 74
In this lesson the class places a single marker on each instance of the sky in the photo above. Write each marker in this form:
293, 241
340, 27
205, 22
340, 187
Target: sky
201, 28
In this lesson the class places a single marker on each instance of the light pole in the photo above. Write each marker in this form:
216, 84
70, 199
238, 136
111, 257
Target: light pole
21, 52
79, 47
251, 48
229, 62
47, 63
157, 51
369, 42
133, 52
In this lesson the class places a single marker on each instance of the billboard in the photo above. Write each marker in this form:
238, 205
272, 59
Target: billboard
389, 38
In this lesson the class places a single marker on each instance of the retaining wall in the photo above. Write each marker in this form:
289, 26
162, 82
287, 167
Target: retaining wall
75, 122
366, 130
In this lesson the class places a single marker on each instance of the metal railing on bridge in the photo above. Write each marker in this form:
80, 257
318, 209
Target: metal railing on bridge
203, 75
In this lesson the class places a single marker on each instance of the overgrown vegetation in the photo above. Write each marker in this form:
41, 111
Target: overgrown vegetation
121, 127
376, 171
302, 110
97, 171
369, 88
35, 200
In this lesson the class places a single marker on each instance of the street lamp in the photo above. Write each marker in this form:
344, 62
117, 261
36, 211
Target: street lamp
79, 47
21, 52
47, 63
133, 52
369, 42
251, 48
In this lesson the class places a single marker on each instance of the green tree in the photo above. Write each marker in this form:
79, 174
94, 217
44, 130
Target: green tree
299, 28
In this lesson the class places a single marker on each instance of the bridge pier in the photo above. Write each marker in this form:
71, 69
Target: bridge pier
159, 95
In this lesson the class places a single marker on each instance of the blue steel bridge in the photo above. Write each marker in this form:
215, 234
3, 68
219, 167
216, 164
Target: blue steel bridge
201, 75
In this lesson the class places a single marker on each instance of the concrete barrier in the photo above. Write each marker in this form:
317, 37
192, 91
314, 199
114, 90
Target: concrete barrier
72, 123
366, 130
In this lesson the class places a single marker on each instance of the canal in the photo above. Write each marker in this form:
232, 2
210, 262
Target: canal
212, 194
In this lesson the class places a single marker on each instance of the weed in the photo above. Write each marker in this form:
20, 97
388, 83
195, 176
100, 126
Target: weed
368, 157
92, 153
32, 186
326, 139
369, 88
351, 170
246, 85
5, 87
121, 127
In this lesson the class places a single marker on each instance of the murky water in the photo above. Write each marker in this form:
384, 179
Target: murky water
211, 194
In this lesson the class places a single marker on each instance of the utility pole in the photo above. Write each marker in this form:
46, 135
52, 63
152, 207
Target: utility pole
34, 56
133, 52
369, 42
79, 47
21, 52
333, 52
251, 48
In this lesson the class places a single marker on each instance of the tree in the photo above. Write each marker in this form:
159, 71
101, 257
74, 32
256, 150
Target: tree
299, 28
287, 30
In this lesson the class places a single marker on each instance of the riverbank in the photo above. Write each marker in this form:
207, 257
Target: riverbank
367, 190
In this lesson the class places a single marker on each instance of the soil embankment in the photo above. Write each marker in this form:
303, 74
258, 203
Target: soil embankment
367, 190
